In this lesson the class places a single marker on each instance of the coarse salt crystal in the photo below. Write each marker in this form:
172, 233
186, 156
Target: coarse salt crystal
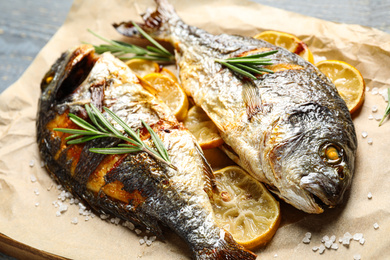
86, 218
384, 94
275, 255
333, 238
370, 117
369, 195
306, 240
362, 240
335, 246
63, 208
141, 241
42, 164
104, 216
148, 243
367, 89
33, 178
31, 164
378, 117
328, 244
321, 249
324, 239
364, 134
36, 191
376, 226
152, 238
356, 257
374, 109
375, 91
58, 214
37, 204
369, 140
315, 248
357, 236
74, 221
137, 231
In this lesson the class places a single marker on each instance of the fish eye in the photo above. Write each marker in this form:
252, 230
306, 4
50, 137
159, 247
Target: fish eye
331, 153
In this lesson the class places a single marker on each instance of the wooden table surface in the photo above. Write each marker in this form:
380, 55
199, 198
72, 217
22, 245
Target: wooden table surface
27, 25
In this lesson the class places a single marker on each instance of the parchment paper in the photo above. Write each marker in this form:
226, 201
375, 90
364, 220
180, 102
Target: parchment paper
37, 226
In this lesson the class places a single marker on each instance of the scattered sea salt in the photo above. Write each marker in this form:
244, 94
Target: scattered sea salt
152, 238
321, 249
31, 164
376, 226
306, 240
356, 257
74, 221
129, 225
141, 241
375, 91
374, 109
315, 248
37, 204
333, 238
148, 243
63, 208
370, 117
335, 246
58, 214
364, 134
36, 191
137, 231
104, 216
42, 164
357, 236
86, 218
325, 239
275, 255
367, 89
361, 241
33, 178
328, 244
378, 117
384, 94
369, 140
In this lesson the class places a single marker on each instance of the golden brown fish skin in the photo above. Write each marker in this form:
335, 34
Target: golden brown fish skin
276, 127
133, 187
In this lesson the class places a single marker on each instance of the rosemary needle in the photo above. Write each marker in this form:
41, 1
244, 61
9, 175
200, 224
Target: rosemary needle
387, 111
249, 66
101, 127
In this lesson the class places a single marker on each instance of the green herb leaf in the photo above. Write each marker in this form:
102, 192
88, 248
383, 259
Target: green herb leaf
249, 66
387, 110
91, 132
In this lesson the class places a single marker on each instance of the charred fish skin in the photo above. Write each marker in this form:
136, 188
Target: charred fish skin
133, 187
280, 127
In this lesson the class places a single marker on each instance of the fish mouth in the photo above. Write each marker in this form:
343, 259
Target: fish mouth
323, 191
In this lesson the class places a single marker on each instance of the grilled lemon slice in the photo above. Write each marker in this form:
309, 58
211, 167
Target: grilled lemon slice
170, 93
348, 81
245, 208
287, 41
201, 126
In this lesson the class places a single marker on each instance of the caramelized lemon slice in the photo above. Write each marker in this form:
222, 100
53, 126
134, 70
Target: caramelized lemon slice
204, 130
170, 93
142, 67
245, 208
348, 81
287, 41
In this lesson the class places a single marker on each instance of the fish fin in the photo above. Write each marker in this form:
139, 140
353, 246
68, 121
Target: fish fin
155, 22
226, 248
211, 185
252, 100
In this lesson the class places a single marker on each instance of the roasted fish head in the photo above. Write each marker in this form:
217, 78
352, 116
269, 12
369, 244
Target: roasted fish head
315, 155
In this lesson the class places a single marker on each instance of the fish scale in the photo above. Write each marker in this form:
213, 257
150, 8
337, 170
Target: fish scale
278, 127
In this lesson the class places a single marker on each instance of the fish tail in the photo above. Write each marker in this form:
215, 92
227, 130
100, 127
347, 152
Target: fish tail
227, 249
157, 23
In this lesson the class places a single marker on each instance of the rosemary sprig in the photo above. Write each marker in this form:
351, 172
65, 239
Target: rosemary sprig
122, 49
249, 66
387, 111
101, 127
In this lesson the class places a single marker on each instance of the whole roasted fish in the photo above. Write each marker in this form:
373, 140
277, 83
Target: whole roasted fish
134, 186
290, 129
